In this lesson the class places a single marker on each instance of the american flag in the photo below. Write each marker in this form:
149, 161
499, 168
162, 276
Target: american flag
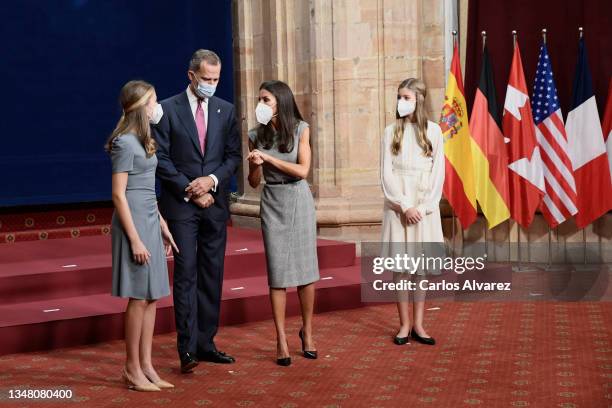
559, 202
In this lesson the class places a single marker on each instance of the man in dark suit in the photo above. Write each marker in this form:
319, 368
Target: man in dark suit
198, 152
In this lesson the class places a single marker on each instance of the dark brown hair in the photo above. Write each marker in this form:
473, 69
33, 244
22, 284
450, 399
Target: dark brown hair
203, 55
288, 117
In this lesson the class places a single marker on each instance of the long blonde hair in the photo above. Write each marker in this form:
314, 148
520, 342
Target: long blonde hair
133, 99
419, 116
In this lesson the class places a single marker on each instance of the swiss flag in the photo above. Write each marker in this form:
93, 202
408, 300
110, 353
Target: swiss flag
525, 170
587, 148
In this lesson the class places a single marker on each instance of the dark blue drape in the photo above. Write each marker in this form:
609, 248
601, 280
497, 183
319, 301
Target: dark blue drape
63, 64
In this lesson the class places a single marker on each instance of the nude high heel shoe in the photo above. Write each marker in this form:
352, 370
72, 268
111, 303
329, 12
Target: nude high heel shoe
133, 386
161, 384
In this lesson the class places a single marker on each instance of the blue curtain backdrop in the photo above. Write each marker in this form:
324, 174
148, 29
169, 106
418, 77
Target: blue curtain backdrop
63, 64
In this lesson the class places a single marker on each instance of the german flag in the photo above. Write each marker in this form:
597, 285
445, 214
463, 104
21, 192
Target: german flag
459, 188
489, 153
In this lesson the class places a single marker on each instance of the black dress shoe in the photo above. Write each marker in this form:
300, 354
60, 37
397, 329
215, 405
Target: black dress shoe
423, 340
188, 363
308, 354
216, 356
400, 341
285, 362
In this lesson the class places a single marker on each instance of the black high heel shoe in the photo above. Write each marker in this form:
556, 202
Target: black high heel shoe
400, 341
285, 361
423, 340
308, 354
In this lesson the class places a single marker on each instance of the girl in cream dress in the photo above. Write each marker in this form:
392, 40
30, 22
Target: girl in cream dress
412, 176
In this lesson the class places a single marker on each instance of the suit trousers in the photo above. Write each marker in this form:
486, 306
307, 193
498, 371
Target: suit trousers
198, 280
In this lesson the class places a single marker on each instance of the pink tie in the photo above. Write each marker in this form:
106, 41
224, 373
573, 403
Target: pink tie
201, 125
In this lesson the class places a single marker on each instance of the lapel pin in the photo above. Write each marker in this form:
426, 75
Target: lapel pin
218, 110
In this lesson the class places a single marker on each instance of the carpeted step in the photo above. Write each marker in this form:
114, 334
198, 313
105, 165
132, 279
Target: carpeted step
70, 321
245, 253
39, 270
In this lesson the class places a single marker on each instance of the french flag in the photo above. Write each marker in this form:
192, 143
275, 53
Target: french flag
587, 148
607, 126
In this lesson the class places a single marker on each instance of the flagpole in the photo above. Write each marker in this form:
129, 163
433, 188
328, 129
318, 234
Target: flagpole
518, 243
454, 33
509, 240
549, 266
519, 267
585, 265
549, 229
584, 237
484, 39
518, 227
514, 34
486, 243
549, 247
453, 233
584, 244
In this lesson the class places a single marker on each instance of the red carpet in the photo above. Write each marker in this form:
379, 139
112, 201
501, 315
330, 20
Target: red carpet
54, 294
488, 355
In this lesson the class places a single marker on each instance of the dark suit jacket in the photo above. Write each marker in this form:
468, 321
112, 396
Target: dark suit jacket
180, 160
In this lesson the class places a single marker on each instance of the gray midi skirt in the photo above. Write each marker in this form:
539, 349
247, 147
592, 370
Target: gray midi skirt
289, 227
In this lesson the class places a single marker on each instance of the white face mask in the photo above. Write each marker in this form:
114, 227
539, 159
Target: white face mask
206, 90
263, 113
405, 108
157, 114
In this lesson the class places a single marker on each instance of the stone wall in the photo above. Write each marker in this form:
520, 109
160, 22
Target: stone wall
343, 59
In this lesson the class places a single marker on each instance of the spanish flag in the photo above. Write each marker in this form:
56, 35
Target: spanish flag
459, 185
489, 154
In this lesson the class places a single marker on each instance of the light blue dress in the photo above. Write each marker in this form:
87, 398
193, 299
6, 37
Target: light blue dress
148, 281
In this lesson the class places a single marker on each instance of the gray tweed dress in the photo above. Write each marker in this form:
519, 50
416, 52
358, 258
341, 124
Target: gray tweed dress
288, 222
148, 281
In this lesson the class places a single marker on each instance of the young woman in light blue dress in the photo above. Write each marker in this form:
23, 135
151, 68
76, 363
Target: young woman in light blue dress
139, 233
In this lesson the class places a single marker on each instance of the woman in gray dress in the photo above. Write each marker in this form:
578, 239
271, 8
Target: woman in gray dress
280, 151
139, 234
